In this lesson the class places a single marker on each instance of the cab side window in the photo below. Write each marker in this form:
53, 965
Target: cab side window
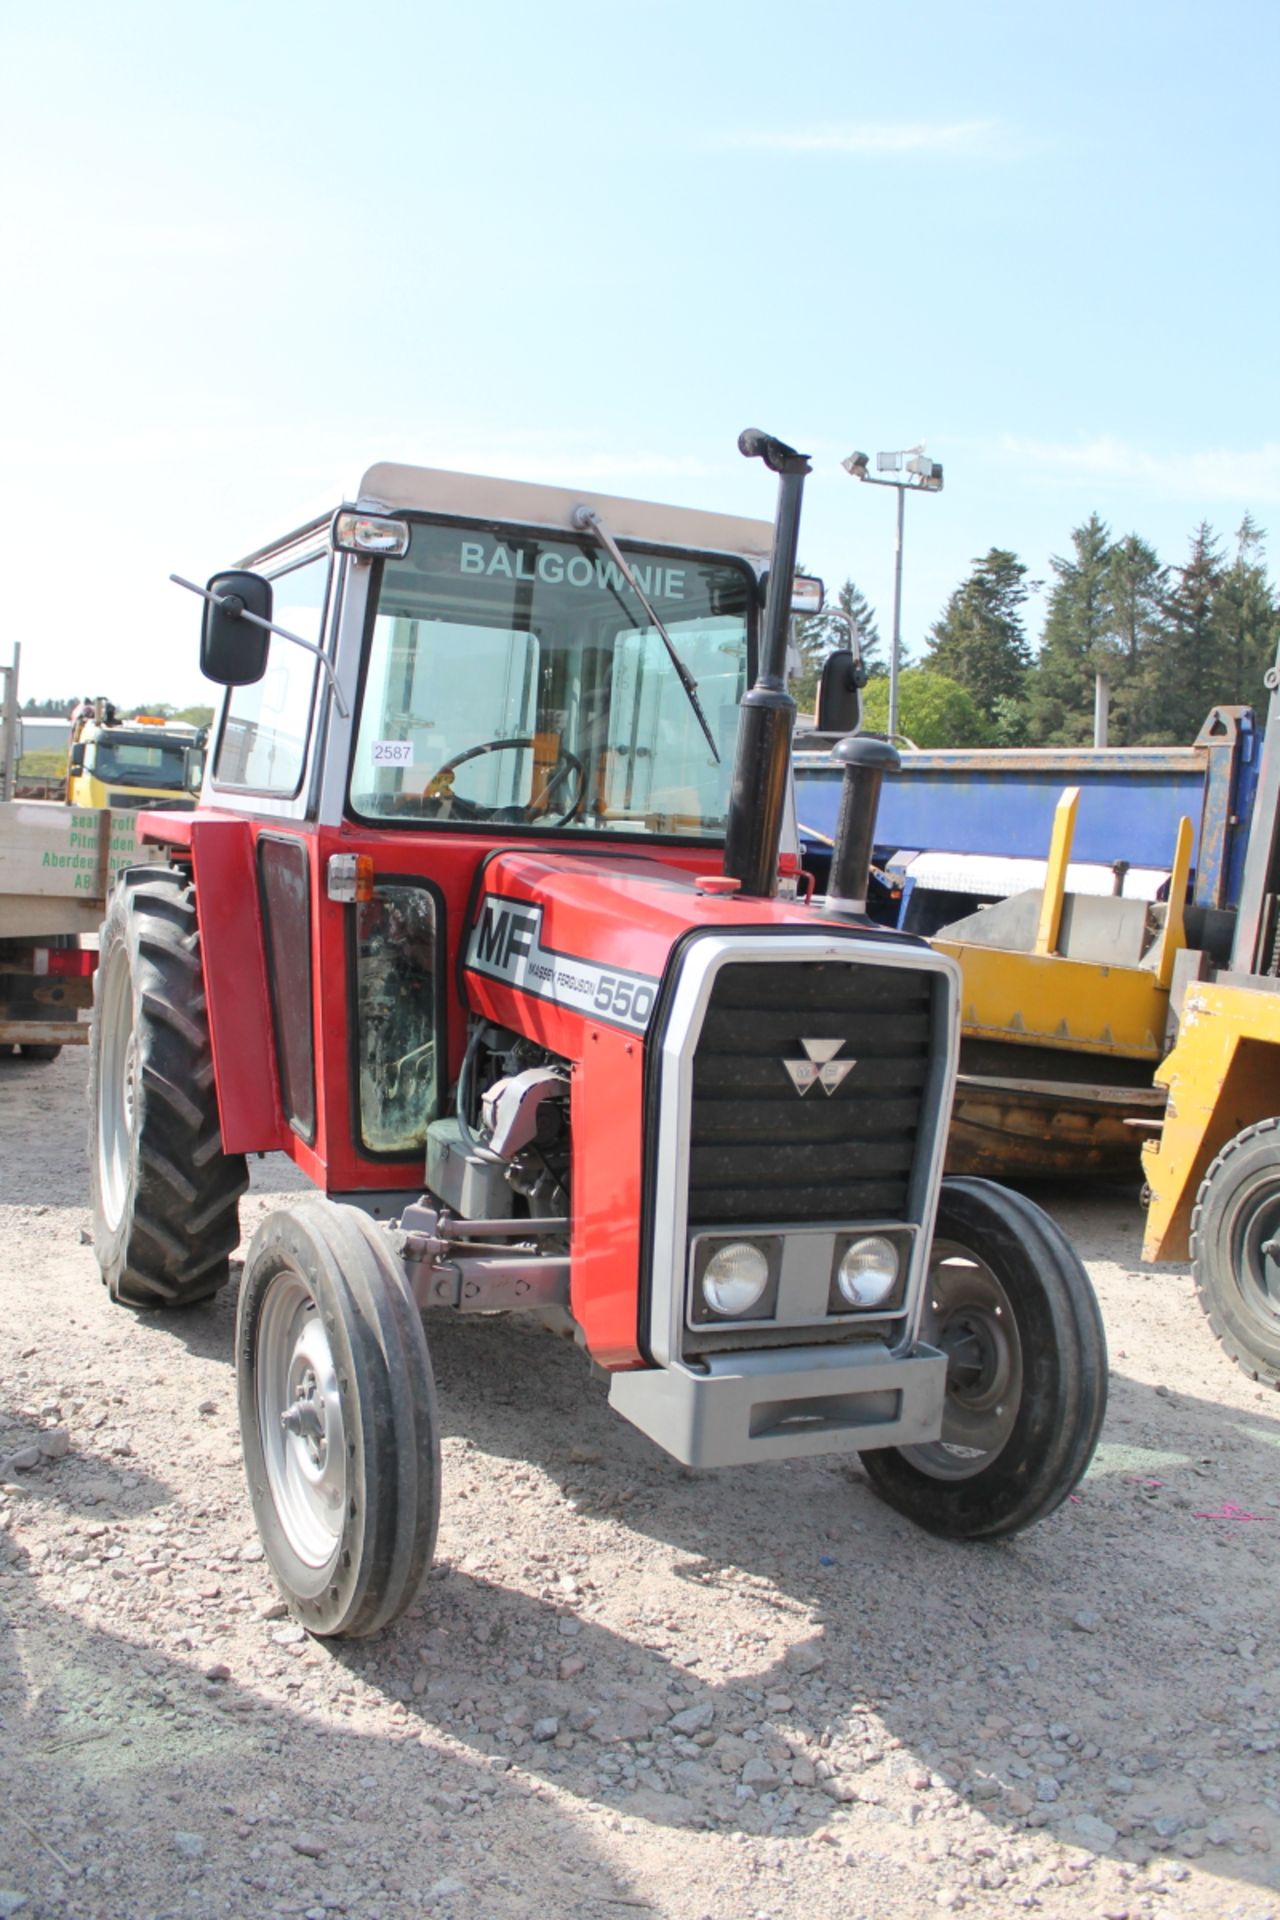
263, 745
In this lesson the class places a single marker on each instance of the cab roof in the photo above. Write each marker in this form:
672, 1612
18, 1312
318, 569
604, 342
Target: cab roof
388, 487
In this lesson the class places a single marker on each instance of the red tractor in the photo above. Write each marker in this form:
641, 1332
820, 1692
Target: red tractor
479, 919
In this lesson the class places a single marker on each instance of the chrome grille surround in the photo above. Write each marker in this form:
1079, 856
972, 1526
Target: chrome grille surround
688, 1001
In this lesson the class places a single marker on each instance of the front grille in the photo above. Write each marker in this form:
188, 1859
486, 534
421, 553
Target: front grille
761, 1153
139, 802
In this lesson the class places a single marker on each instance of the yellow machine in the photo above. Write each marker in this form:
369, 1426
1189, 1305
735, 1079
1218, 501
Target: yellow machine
143, 762
1064, 1012
1214, 1173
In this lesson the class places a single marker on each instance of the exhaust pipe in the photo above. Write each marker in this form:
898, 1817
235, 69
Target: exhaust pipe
757, 797
865, 764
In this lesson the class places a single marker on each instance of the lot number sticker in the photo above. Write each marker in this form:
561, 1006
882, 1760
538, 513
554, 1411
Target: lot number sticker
393, 753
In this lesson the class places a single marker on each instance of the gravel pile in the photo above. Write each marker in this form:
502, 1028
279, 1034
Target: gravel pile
626, 1688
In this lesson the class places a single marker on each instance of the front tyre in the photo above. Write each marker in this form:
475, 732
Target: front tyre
1235, 1249
1010, 1305
165, 1196
337, 1417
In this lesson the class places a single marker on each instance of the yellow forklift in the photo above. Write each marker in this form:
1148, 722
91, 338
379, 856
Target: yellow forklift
1214, 1173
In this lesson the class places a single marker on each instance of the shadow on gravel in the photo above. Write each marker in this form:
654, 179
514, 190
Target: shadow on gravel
80, 1482
1050, 1681
135, 1784
1054, 1680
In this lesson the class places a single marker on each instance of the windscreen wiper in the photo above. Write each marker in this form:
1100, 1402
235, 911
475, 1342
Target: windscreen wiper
587, 520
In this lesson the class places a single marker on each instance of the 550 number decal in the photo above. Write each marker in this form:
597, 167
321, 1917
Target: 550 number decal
627, 1000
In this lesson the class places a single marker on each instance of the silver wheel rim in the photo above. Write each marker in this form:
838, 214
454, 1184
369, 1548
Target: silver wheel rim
300, 1420
117, 1087
968, 1315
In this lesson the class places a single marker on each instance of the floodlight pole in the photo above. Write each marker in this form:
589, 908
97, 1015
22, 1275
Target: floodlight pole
925, 477
895, 651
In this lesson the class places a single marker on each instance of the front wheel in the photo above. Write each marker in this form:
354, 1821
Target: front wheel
337, 1417
1010, 1305
1235, 1249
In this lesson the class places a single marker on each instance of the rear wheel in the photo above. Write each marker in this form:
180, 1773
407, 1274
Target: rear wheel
337, 1417
165, 1195
1010, 1305
1235, 1249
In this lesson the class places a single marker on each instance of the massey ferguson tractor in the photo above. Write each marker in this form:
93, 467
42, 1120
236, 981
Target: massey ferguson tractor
480, 920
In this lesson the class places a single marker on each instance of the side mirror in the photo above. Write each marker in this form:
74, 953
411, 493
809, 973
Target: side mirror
838, 708
233, 651
193, 772
808, 596
75, 760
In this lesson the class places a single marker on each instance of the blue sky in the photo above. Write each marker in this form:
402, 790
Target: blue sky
250, 249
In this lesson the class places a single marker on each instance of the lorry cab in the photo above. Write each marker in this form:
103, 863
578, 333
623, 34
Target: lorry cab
143, 762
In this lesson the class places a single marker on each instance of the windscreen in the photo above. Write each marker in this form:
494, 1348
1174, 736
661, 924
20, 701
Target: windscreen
516, 678
138, 760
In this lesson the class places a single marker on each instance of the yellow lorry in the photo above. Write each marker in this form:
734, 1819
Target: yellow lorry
143, 762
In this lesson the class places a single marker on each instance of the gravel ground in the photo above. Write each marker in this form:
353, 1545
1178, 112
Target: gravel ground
626, 1687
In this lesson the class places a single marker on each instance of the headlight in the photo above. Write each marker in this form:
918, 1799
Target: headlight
868, 1272
734, 1278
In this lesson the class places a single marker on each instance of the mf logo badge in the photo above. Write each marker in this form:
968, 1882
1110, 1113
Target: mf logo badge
819, 1067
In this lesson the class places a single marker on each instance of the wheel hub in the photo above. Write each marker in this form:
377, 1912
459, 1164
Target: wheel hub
968, 1316
306, 1419
973, 1358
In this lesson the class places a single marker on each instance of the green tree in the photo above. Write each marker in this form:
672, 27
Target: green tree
980, 640
195, 716
1186, 672
1077, 643
1138, 587
816, 638
49, 709
1247, 618
933, 711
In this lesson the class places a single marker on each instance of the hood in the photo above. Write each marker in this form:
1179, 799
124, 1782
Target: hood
590, 935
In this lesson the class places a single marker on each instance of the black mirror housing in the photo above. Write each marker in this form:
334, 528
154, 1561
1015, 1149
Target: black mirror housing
75, 760
233, 652
838, 708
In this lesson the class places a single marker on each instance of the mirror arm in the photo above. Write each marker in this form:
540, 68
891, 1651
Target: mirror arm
228, 600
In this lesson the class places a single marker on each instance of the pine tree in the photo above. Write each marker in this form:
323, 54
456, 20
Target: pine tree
1248, 619
1186, 672
980, 640
1077, 642
1138, 588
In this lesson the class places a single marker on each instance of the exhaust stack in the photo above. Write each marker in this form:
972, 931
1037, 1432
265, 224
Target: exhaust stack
865, 764
757, 796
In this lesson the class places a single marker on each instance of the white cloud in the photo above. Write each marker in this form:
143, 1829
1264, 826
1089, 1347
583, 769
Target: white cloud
870, 137
1250, 475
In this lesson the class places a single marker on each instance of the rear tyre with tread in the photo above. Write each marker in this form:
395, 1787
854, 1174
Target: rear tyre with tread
337, 1417
1010, 1304
165, 1195
1235, 1249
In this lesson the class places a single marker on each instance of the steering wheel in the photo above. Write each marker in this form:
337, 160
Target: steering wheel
566, 763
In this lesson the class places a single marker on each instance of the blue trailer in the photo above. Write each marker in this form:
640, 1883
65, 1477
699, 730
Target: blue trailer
953, 820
